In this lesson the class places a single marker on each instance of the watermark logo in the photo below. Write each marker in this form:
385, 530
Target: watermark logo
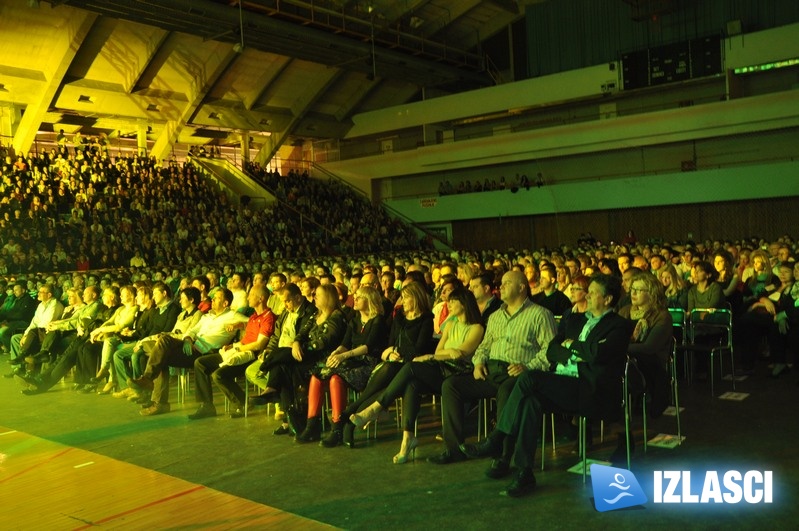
615, 488
732, 486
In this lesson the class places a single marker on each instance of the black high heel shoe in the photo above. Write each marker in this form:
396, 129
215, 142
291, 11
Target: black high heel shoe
101, 376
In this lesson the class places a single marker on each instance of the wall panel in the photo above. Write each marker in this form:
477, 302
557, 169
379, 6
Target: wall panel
768, 218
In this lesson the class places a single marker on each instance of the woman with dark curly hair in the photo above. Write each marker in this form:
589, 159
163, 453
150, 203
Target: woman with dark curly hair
426, 373
705, 293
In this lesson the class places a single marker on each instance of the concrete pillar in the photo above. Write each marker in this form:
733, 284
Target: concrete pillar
245, 148
141, 139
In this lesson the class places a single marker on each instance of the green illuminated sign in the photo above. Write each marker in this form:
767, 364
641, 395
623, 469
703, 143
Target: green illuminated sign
766, 66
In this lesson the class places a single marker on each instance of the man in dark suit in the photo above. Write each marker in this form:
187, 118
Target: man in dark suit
590, 350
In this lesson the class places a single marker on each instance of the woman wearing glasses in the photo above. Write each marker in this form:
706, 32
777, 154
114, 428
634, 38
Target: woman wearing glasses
650, 344
576, 294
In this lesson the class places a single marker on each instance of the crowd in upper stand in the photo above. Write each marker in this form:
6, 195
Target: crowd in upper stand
359, 225
79, 209
513, 184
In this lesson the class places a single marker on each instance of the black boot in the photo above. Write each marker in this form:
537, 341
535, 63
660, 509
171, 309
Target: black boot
334, 438
312, 431
348, 436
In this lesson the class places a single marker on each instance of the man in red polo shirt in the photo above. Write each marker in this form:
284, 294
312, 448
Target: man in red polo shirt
230, 362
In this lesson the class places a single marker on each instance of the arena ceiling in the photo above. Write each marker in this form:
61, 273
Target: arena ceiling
192, 70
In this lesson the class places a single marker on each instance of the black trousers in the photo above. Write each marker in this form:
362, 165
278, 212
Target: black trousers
65, 362
534, 393
414, 380
750, 330
208, 371
88, 359
460, 390
380, 379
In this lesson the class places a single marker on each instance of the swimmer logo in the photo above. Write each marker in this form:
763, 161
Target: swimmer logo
615, 488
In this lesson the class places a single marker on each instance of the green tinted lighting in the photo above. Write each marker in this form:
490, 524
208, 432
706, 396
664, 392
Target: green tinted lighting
766, 66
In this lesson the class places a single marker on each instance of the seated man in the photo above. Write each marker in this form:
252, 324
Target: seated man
231, 361
298, 315
16, 313
59, 333
515, 341
237, 284
189, 300
214, 330
28, 342
276, 283
550, 297
590, 350
482, 288
157, 314
92, 316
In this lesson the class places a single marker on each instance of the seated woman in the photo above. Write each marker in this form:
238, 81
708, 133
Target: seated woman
426, 373
144, 302
411, 336
577, 293
744, 266
727, 277
676, 293
90, 352
325, 333
608, 266
705, 293
352, 362
650, 344
308, 287
564, 280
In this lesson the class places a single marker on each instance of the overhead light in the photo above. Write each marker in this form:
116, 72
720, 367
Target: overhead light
153, 108
416, 22
214, 116
84, 99
3, 88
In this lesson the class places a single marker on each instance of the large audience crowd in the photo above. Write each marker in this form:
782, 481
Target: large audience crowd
80, 209
169, 276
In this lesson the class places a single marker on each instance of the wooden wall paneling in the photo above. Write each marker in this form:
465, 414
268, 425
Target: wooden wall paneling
495, 233
768, 218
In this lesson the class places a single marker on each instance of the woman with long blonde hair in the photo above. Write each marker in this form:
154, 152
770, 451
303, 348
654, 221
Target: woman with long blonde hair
411, 336
353, 361
650, 344
675, 291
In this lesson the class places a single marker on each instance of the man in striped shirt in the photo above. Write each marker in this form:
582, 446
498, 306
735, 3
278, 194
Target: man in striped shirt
515, 341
